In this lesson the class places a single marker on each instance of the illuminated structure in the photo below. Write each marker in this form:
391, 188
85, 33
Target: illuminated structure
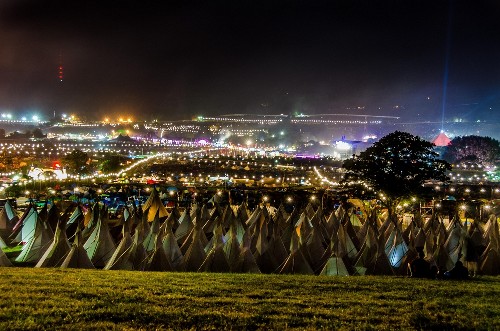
441, 140
42, 174
60, 74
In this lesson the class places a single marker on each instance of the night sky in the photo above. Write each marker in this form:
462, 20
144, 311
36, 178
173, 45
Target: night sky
186, 58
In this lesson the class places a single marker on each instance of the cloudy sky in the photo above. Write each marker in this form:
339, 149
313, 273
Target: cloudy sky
217, 57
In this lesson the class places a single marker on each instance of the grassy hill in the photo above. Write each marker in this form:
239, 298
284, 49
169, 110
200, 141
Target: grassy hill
82, 299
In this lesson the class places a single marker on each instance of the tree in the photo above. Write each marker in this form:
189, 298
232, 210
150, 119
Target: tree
37, 133
481, 150
77, 162
112, 163
397, 165
14, 191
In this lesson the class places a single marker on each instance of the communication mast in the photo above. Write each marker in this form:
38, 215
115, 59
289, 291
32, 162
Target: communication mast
60, 69
60, 78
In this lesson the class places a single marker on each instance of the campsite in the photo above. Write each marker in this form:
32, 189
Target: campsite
218, 236
218, 265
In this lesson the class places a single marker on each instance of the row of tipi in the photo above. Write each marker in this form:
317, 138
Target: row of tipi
231, 238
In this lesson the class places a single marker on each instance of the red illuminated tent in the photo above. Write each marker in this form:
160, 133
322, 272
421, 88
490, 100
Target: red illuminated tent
441, 140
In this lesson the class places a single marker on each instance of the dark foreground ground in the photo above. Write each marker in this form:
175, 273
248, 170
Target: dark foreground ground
81, 299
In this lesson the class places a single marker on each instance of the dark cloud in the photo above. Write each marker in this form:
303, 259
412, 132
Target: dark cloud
182, 58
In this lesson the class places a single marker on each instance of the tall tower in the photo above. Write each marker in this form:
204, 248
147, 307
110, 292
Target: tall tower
58, 86
60, 69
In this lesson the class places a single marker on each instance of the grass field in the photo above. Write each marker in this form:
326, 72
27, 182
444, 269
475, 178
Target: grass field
81, 299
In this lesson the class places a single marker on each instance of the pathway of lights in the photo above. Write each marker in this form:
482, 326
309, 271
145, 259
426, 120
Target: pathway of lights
475, 177
159, 155
452, 189
483, 173
200, 178
323, 178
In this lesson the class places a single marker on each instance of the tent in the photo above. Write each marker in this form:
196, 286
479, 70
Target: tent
8, 218
36, 236
100, 246
121, 258
4, 260
58, 249
441, 140
153, 205
158, 259
77, 256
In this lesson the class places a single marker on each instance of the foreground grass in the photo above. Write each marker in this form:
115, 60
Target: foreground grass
81, 299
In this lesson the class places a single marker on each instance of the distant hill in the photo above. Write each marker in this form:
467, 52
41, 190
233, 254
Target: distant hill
121, 138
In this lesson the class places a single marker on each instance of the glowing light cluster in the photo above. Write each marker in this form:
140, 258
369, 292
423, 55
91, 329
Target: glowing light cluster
323, 178
242, 120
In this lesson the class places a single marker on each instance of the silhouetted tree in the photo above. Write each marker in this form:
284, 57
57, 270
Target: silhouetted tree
37, 133
14, 191
476, 149
77, 162
397, 165
112, 163
19, 135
